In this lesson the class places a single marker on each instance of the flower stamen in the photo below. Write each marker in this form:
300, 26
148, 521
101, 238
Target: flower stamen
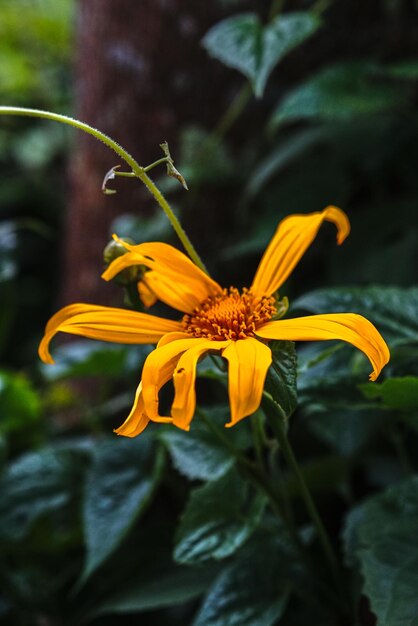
231, 315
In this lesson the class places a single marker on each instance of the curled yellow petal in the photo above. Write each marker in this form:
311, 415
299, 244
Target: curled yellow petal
248, 362
348, 327
137, 419
173, 278
293, 237
107, 324
158, 369
184, 378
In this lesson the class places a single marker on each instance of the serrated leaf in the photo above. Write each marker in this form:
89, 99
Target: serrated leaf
393, 310
382, 534
241, 42
281, 377
199, 454
119, 485
340, 92
218, 519
252, 591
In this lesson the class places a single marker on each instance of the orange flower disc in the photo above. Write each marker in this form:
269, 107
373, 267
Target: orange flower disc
231, 315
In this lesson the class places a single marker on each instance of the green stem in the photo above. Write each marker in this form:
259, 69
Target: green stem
259, 438
155, 163
232, 113
278, 426
128, 158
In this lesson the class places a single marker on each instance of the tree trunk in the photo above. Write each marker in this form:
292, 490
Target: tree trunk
140, 75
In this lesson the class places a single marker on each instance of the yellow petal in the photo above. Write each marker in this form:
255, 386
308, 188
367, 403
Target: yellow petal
106, 324
248, 361
184, 377
169, 337
137, 419
174, 278
147, 296
293, 237
349, 327
158, 369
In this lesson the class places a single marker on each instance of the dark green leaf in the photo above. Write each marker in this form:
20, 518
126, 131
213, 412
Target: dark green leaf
347, 431
281, 157
281, 378
383, 535
341, 92
241, 42
119, 485
199, 453
34, 485
407, 70
252, 591
396, 393
218, 519
393, 310
93, 358
174, 586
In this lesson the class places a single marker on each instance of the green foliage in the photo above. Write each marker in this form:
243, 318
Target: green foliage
250, 591
36, 485
340, 93
20, 403
395, 393
168, 588
105, 530
218, 519
281, 378
201, 453
119, 485
243, 43
382, 535
394, 311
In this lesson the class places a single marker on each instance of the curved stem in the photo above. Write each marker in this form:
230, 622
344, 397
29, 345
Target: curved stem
278, 426
127, 157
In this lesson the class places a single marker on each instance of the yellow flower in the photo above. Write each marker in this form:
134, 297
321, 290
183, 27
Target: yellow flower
235, 325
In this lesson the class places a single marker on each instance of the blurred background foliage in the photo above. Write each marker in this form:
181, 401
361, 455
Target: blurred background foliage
323, 113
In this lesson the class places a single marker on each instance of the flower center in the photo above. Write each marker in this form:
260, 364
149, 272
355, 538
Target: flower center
231, 315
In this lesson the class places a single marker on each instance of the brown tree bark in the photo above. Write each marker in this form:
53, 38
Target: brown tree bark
140, 74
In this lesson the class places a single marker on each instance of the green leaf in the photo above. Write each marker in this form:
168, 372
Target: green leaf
119, 485
346, 431
93, 358
407, 70
218, 519
281, 377
396, 393
36, 484
173, 586
241, 42
393, 310
252, 591
340, 93
20, 404
281, 157
199, 453
382, 533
